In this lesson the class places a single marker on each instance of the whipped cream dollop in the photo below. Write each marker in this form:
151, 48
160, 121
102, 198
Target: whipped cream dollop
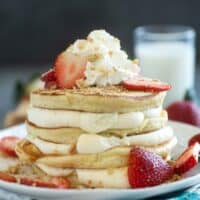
107, 63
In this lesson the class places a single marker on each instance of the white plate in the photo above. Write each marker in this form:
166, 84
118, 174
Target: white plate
183, 133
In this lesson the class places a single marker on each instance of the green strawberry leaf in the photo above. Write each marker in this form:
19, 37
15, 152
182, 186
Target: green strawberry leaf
190, 95
19, 91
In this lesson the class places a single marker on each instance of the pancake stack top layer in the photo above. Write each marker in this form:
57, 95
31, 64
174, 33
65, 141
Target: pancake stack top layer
84, 132
95, 99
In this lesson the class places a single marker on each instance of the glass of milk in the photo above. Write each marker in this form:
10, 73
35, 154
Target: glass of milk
167, 52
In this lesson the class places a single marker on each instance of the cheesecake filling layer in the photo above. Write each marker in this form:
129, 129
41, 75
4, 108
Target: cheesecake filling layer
99, 178
104, 178
89, 122
48, 148
91, 143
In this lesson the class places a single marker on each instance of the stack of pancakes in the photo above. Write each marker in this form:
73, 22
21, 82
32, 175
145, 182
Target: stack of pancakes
87, 133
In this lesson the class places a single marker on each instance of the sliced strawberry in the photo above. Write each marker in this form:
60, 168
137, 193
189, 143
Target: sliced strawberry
36, 183
60, 182
147, 169
194, 139
69, 68
144, 84
49, 76
7, 145
56, 182
188, 159
51, 85
7, 177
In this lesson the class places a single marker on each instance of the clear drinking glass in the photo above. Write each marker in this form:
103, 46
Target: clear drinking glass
167, 52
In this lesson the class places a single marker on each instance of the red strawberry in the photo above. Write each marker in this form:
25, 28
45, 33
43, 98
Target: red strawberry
50, 79
7, 145
188, 159
194, 139
6, 177
144, 84
60, 182
49, 76
147, 169
69, 68
184, 111
51, 85
55, 182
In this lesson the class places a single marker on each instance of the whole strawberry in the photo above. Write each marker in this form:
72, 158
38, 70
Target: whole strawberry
184, 111
147, 169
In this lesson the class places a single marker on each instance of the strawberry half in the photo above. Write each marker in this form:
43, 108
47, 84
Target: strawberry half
49, 76
147, 169
49, 79
144, 84
69, 68
188, 159
7, 145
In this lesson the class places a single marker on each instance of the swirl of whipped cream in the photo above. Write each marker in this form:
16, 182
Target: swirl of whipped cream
107, 63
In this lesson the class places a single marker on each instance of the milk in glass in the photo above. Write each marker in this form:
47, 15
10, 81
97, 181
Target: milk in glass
170, 61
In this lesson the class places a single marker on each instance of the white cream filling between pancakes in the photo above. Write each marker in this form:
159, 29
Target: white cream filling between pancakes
49, 147
91, 143
89, 122
105, 178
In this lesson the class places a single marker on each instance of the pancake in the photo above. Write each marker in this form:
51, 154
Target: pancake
27, 152
57, 135
111, 158
33, 147
93, 99
89, 178
95, 143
